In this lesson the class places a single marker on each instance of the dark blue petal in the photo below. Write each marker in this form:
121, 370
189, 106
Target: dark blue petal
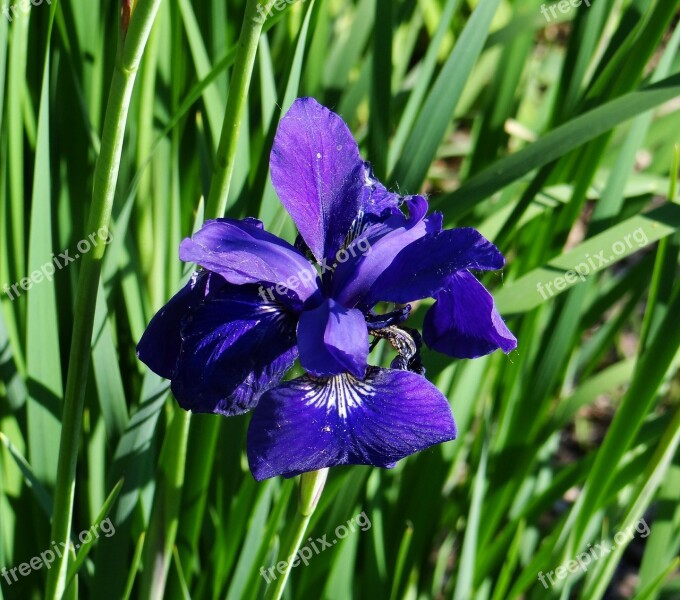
242, 252
333, 339
464, 322
309, 424
160, 345
374, 251
421, 268
234, 348
318, 174
380, 321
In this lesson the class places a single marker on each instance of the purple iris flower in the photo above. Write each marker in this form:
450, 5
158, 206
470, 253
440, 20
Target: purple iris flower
259, 303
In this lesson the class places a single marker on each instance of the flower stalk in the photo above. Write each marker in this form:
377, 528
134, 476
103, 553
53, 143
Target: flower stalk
105, 179
311, 487
236, 104
163, 530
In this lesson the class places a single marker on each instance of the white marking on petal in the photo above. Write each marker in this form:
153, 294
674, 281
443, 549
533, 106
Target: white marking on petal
340, 392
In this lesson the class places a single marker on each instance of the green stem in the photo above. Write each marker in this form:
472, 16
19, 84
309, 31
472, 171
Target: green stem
105, 178
162, 530
236, 104
161, 538
311, 487
299, 528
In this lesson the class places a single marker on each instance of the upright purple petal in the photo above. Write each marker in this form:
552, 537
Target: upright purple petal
160, 345
420, 269
375, 251
234, 348
243, 252
333, 339
309, 424
318, 174
464, 322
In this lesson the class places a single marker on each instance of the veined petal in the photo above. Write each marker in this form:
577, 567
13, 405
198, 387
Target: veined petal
464, 322
333, 339
318, 174
420, 269
243, 252
375, 251
309, 424
233, 349
160, 345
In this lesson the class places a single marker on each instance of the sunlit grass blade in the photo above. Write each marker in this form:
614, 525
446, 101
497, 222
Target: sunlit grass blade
556, 143
596, 253
86, 546
652, 478
421, 147
649, 372
42, 335
42, 494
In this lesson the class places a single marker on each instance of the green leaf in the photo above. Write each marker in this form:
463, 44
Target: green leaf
588, 258
556, 143
85, 547
43, 350
421, 147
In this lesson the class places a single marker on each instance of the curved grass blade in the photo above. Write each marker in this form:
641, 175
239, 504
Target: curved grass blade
593, 255
422, 145
556, 144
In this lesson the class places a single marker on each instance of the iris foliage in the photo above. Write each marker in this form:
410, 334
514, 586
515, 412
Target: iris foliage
554, 137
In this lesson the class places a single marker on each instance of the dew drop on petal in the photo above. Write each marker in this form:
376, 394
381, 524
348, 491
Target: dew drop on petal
318, 154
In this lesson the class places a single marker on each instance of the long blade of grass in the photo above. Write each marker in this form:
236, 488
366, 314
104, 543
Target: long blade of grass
421, 147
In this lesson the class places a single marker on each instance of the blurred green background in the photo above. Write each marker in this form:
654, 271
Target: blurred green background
550, 127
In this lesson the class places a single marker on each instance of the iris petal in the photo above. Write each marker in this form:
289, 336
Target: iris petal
309, 424
318, 174
420, 269
243, 252
160, 345
373, 252
333, 339
377, 198
464, 322
234, 348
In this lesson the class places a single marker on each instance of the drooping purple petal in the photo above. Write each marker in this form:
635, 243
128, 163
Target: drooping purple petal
318, 174
420, 269
373, 253
160, 345
464, 323
333, 339
234, 348
243, 252
309, 424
